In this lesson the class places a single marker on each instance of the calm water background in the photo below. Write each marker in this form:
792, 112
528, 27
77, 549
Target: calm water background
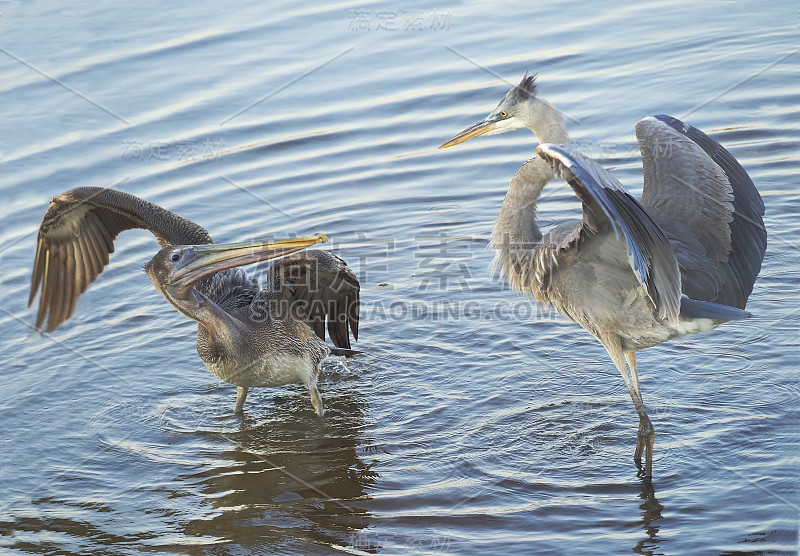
474, 421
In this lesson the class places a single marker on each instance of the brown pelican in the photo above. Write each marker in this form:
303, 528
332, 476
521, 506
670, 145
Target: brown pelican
246, 335
681, 260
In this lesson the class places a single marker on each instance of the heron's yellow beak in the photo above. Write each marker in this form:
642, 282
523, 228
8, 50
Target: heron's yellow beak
191, 263
481, 128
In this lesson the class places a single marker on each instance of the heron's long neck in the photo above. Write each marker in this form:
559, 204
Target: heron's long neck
516, 222
546, 122
516, 235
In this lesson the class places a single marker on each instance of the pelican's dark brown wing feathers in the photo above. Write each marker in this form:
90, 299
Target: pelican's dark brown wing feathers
318, 287
77, 235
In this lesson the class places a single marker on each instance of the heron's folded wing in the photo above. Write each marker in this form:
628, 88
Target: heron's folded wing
77, 235
319, 287
607, 205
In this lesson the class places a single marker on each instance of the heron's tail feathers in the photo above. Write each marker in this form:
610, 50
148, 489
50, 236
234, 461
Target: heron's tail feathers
696, 309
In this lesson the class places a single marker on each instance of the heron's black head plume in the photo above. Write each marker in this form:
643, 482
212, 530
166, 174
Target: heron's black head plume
526, 88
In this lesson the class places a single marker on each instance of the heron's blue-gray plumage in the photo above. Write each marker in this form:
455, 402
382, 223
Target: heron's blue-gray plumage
708, 205
608, 207
681, 260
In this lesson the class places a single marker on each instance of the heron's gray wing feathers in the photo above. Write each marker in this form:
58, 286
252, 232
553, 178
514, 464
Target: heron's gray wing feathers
319, 287
708, 206
608, 206
77, 235
684, 190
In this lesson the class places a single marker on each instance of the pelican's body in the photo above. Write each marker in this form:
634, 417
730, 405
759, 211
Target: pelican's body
247, 336
269, 350
633, 273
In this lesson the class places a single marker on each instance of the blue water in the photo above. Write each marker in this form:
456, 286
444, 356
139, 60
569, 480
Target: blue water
474, 421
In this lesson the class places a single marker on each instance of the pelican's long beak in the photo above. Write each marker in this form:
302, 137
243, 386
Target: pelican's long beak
199, 261
481, 128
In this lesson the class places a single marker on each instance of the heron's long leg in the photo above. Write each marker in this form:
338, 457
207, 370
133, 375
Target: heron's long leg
241, 396
647, 434
630, 358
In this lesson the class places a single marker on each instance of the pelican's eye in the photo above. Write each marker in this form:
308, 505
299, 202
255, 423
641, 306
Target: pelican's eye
503, 115
176, 257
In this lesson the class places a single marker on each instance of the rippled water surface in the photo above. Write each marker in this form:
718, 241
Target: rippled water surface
474, 421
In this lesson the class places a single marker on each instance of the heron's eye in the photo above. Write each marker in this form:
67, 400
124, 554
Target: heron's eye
176, 257
503, 114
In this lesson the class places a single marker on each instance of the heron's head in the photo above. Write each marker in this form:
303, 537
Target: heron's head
517, 110
176, 269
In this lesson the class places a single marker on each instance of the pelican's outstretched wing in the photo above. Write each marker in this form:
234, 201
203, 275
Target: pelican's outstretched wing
608, 206
708, 206
77, 235
318, 286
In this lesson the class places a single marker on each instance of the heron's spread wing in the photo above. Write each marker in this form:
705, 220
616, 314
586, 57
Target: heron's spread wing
607, 206
318, 286
77, 235
708, 206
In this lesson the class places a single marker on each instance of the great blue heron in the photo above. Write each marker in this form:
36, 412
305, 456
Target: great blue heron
246, 335
633, 273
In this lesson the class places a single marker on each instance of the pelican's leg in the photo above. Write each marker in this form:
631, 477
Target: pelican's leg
241, 396
316, 399
647, 435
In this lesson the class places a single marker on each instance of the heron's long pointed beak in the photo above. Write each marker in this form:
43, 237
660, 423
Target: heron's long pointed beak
204, 260
481, 128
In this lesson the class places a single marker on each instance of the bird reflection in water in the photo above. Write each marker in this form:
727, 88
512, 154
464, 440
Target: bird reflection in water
287, 484
651, 515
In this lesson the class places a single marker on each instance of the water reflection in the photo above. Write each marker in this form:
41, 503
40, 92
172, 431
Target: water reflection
651, 518
290, 479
